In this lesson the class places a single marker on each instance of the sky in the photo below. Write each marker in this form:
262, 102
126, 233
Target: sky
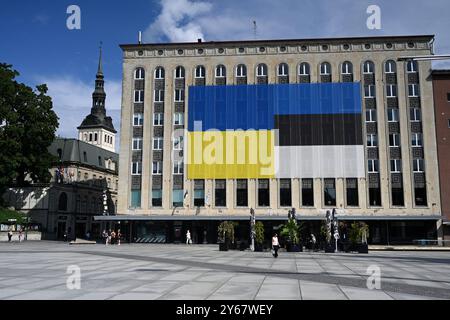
36, 41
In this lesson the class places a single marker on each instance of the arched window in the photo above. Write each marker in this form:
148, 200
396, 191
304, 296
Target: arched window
90, 137
325, 69
160, 73
241, 71
347, 68
179, 73
96, 137
139, 74
221, 71
304, 69
390, 67
200, 72
369, 67
411, 66
283, 70
62, 202
261, 70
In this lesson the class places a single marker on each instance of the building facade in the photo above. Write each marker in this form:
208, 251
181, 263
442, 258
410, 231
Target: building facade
84, 181
393, 185
441, 85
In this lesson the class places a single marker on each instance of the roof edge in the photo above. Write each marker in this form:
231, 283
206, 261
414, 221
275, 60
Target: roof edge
428, 37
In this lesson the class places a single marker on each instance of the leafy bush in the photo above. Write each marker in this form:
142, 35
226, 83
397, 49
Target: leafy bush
259, 230
359, 232
226, 231
291, 230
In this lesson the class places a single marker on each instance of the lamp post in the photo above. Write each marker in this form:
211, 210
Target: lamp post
253, 231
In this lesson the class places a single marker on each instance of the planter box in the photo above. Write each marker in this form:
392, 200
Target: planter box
223, 247
329, 249
258, 248
295, 248
363, 248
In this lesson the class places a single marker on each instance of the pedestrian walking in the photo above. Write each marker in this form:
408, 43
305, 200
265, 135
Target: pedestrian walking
20, 235
275, 246
65, 236
108, 239
113, 237
118, 237
10, 234
105, 237
188, 237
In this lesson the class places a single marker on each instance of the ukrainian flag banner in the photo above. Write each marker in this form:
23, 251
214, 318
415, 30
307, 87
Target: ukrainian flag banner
275, 131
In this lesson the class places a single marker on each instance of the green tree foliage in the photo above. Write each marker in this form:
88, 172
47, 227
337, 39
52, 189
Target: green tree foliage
291, 230
27, 128
259, 230
226, 231
359, 232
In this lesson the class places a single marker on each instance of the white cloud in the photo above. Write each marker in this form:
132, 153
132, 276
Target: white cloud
177, 22
72, 102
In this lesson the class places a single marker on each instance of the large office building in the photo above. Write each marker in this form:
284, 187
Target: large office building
211, 130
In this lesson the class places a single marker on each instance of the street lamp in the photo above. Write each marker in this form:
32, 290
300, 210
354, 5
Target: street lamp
253, 231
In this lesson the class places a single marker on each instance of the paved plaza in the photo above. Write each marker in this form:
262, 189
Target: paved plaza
38, 271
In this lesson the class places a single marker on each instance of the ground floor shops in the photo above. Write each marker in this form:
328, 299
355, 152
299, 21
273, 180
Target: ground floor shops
203, 230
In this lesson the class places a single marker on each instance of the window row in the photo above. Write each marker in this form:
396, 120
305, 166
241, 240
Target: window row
282, 70
415, 115
158, 119
391, 91
395, 165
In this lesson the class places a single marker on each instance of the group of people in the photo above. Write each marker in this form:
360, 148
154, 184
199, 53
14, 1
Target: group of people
111, 237
10, 235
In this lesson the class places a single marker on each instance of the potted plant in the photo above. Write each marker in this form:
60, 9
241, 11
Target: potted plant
259, 236
291, 231
225, 235
358, 234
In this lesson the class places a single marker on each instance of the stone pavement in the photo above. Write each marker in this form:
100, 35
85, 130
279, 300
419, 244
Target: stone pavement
38, 271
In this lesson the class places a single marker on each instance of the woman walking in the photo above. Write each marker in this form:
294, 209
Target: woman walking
275, 245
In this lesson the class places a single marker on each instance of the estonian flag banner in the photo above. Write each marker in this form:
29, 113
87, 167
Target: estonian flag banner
275, 131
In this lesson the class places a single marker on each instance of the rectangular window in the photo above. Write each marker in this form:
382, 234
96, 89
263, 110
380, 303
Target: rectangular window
372, 140
138, 119
138, 96
352, 192
416, 139
158, 119
418, 165
156, 198
396, 166
158, 143
307, 192
178, 167
137, 143
159, 96
420, 196
393, 115
178, 119
416, 114
157, 168
220, 194
241, 193
329, 192
394, 140
179, 95
372, 165
178, 143
135, 198
285, 193
369, 91
398, 198
199, 193
263, 193
413, 90
177, 198
371, 115
136, 168
391, 91
374, 197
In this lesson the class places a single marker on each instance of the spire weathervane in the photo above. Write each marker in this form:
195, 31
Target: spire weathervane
100, 69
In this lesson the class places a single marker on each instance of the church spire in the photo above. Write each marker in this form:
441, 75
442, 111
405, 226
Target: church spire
100, 67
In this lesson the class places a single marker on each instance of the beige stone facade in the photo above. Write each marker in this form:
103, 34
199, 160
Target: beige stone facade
336, 51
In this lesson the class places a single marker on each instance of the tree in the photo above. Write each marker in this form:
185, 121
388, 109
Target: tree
291, 230
27, 129
259, 233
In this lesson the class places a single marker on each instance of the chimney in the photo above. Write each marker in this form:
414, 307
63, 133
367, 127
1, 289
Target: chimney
199, 40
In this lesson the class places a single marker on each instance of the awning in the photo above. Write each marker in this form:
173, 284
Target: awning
258, 217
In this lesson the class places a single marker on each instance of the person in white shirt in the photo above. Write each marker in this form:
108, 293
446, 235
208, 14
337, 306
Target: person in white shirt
188, 237
275, 245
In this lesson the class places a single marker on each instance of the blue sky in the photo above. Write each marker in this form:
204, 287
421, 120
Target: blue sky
34, 37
